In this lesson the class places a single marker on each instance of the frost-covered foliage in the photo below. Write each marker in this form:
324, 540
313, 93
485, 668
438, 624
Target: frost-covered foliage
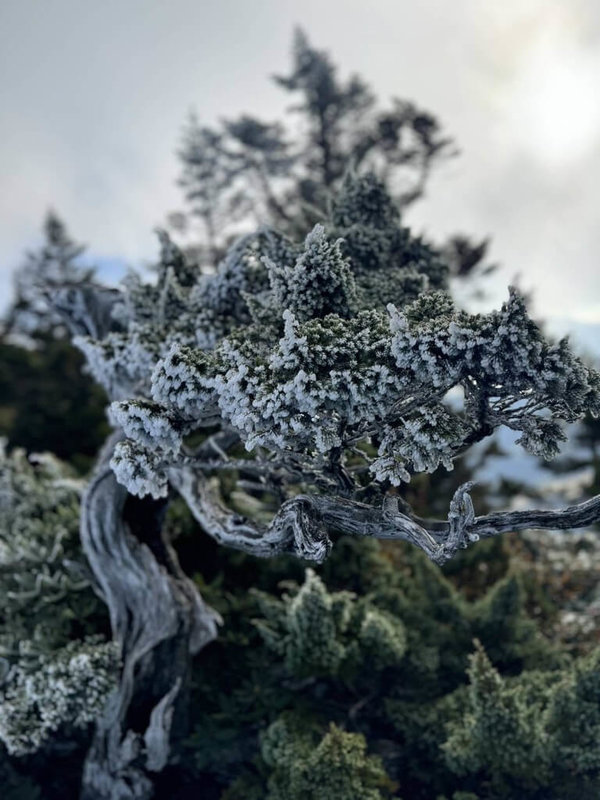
44, 579
54, 673
293, 348
319, 283
181, 306
318, 633
67, 689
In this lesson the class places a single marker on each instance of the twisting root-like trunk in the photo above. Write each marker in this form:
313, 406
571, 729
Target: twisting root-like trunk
158, 620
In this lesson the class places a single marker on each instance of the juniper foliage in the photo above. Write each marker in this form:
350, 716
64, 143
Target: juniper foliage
539, 729
310, 370
41, 564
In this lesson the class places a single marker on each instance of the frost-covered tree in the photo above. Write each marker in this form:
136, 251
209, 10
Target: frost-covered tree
55, 263
55, 669
319, 376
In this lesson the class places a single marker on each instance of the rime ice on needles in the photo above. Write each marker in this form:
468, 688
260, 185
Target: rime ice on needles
41, 564
319, 283
140, 469
183, 381
44, 584
183, 307
429, 438
65, 689
291, 346
322, 376
146, 423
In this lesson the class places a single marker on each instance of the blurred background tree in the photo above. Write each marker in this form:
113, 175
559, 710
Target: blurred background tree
47, 402
247, 172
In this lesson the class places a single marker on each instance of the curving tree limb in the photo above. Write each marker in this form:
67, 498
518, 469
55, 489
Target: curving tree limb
303, 523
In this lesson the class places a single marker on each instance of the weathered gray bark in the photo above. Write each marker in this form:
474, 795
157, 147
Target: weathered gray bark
303, 524
157, 616
158, 619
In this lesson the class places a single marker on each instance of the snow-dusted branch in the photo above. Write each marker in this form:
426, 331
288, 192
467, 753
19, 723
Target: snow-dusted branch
296, 528
580, 515
86, 308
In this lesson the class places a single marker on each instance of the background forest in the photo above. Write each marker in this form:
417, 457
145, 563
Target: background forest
374, 675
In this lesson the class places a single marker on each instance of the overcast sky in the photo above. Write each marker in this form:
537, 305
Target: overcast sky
93, 96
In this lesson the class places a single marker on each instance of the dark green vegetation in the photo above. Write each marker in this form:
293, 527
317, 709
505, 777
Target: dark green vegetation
375, 677
379, 665
46, 402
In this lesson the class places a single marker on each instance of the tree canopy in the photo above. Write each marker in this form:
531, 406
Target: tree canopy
341, 365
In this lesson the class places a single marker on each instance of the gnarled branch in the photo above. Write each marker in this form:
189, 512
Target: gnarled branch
303, 523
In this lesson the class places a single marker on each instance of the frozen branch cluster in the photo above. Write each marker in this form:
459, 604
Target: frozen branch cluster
66, 689
47, 682
43, 574
331, 362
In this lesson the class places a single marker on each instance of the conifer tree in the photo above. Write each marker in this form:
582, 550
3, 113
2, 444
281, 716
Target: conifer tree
312, 368
47, 403
55, 263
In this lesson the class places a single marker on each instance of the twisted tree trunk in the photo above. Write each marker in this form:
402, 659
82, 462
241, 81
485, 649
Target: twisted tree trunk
157, 616
158, 620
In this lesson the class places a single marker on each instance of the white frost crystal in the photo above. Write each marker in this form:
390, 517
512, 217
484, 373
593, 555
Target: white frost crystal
319, 283
139, 469
291, 346
182, 380
67, 688
146, 422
